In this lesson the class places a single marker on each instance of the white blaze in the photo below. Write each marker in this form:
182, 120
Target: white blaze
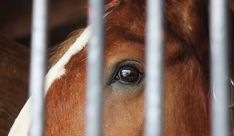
22, 122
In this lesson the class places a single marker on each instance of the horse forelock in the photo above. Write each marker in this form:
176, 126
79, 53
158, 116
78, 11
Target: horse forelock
22, 122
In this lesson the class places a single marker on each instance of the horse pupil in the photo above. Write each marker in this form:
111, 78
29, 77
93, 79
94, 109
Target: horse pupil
128, 74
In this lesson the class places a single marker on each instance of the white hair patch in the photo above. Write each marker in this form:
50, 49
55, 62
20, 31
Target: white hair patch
22, 122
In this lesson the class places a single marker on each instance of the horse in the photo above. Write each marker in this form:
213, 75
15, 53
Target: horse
14, 67
186, 110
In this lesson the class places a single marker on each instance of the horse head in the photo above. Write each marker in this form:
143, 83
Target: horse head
186, 93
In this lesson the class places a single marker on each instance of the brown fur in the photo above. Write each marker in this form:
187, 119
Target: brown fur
187, 95
14, 66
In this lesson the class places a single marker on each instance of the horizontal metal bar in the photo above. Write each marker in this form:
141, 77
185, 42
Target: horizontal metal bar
38, 66
219, 67
95, 69
154, 68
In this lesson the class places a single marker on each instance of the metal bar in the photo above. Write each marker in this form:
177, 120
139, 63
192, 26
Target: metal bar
219, 67
154, 68
37, 66
95, 69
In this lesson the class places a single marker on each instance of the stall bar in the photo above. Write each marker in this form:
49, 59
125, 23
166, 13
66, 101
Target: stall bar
95, 69
38, 66
219, 67
154, 68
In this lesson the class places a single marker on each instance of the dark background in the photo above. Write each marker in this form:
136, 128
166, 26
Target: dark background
64, 16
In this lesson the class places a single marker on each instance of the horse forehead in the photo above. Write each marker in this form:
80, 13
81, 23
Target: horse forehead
181, 16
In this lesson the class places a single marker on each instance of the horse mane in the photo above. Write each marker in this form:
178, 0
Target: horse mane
57, 51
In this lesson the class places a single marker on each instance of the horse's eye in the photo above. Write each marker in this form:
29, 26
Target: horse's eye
128, 75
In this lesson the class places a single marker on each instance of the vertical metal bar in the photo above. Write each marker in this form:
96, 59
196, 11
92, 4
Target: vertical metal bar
154, 68
219, 67
37, 66
95, 69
